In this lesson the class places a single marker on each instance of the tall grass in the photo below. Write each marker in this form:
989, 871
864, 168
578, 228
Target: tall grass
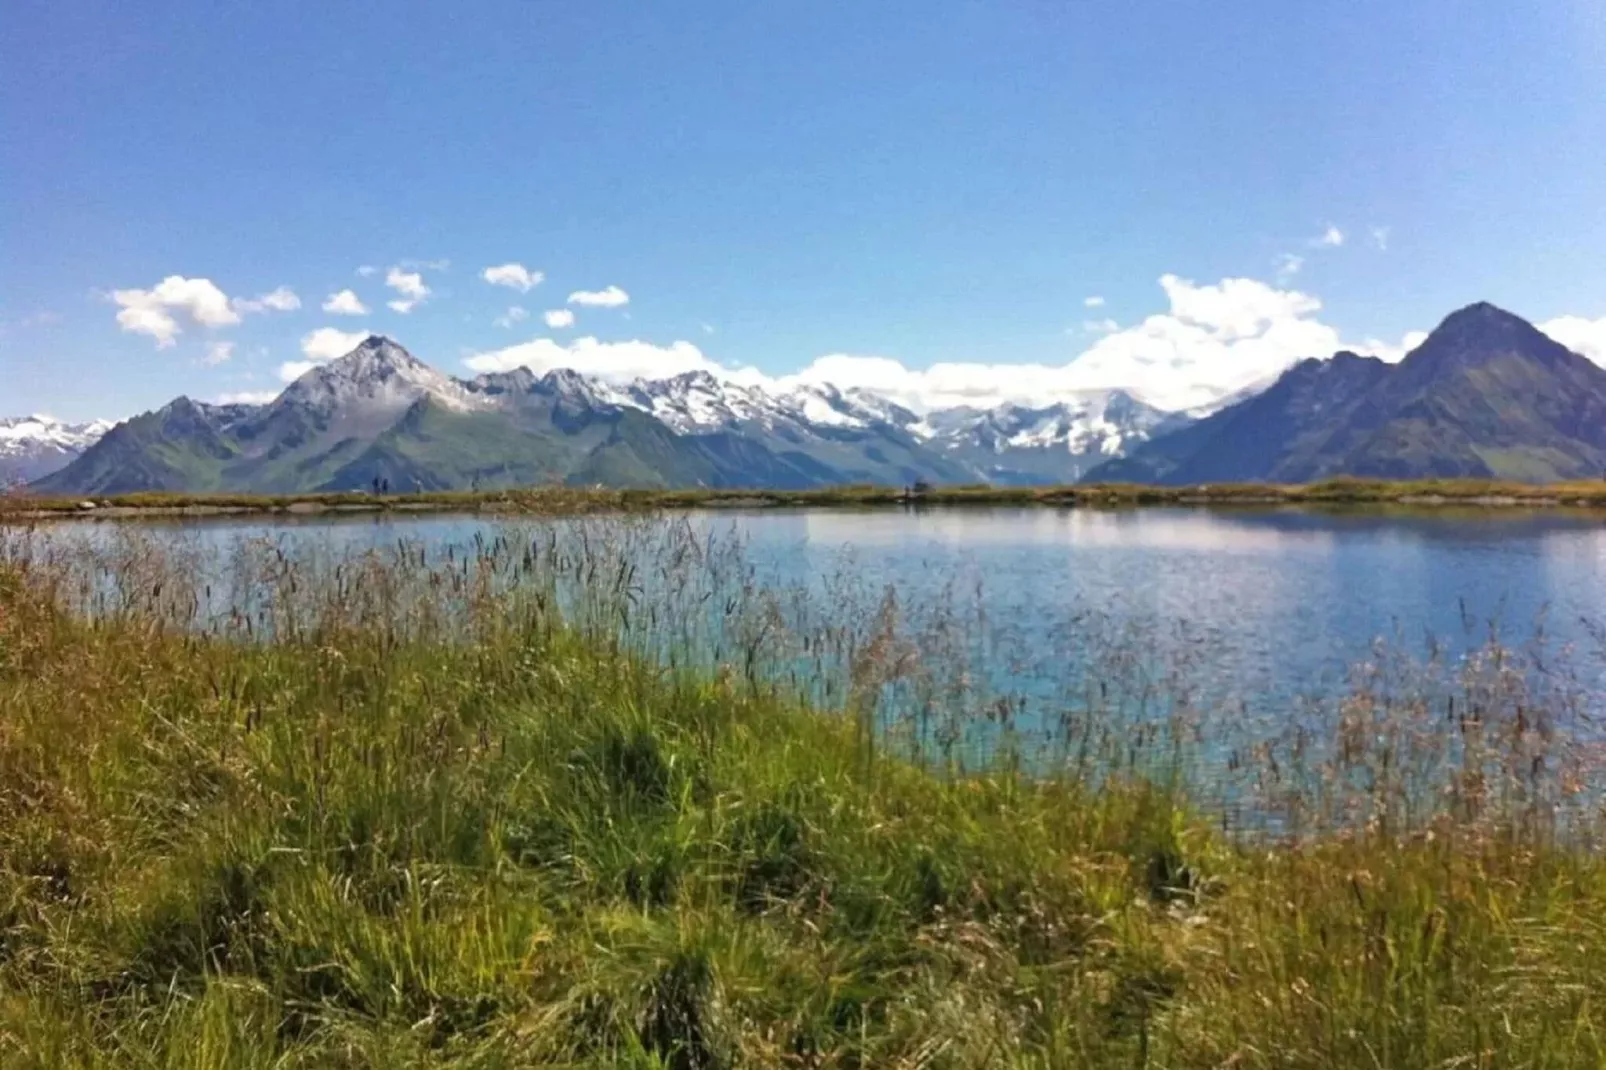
592, 795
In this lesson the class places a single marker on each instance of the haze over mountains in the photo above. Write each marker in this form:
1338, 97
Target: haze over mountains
1486, 394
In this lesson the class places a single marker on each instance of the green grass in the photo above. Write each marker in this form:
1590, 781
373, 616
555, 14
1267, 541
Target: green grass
433, 821
560, 499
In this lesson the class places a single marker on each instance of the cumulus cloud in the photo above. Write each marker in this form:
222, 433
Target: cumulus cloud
1104, 326
612, 297
345, 303
513, 276
367, 270
329, 343
1392, 352
1093, 302
218, 353
291, 370
246, 397
282, 299
1580, 335
1331, 238
1213, 341
512, 316
613, 361
410, 284
558, 318
1289, 265
156, 312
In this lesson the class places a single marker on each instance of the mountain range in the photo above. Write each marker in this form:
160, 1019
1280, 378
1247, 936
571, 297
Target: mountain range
380, 414
1486, 395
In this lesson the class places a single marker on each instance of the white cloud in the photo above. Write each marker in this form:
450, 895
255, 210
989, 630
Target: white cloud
1331, 238
246, 397
156, 311
614, 361
1289, 265
1213, 340
345, 303
328, 343
1380, 238
218, 353
320, 347
1392, 352
407, 283
612, 297
708, 328
558, 318
1104, 326
513, 276
512, 316
1580, 335
1093, 302
410, 284
367, 270
282, 299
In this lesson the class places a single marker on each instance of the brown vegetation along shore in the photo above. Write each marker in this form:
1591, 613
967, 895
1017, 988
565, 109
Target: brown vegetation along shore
1475, 493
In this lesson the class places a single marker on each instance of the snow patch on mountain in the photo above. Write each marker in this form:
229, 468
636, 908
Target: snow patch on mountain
377, 377
23, 433
1104, 424
33, 446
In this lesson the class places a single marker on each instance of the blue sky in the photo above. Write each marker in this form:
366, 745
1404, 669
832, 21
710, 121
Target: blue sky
931, 183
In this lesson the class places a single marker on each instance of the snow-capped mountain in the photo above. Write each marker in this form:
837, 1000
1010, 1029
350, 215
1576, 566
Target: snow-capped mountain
1054, 444
381, 414
33, 446
379, 378
698, 402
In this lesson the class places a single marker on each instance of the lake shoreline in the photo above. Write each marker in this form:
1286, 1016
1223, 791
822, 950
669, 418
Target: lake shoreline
1425, 494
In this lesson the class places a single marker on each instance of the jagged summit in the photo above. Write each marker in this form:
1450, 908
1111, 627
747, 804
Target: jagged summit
378, 374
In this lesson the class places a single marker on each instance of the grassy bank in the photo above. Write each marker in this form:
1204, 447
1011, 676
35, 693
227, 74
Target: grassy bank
401, 812
557, 500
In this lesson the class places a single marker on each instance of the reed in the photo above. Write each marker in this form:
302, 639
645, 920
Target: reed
595, 794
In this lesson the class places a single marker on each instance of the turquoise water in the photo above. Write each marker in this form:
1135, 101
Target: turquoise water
1257, 607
